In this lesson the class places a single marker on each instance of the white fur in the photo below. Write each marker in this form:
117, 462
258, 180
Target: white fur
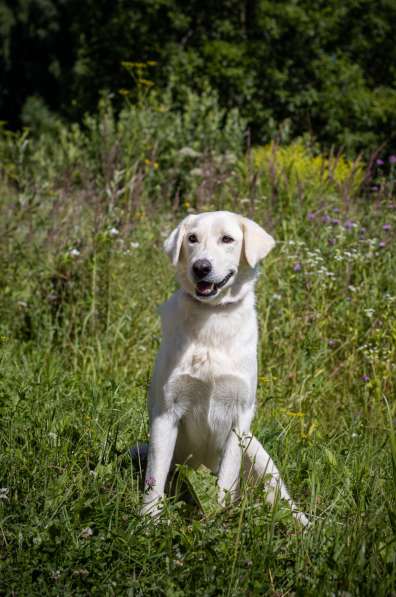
203, 392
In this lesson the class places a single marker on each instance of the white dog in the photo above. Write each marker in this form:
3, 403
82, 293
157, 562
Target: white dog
202, 396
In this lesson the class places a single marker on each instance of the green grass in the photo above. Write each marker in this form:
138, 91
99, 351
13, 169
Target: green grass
79, 333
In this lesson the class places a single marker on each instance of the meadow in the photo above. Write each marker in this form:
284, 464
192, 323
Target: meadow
84, 211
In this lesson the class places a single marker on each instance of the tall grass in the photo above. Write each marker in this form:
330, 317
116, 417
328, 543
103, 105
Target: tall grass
84, 211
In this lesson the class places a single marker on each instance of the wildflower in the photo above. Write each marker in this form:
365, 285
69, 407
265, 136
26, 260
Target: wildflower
114, 232
4, 491
331, 242
332, 343
231, 158
375, 188
349, 225
74, 252
86, 533
134, 245
335, 222
386, 227
326, 219
310, 216
336, 210
381, 244
151, 164
150, 482
365, 378
80, 572
297, 267
189, 152
392, 159
380, 162
276, 297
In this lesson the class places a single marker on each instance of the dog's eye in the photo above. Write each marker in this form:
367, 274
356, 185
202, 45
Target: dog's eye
227, 239
192, 238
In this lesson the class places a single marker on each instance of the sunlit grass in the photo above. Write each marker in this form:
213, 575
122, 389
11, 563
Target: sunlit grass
78, 337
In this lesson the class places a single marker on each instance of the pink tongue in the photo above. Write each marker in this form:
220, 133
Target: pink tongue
204, 286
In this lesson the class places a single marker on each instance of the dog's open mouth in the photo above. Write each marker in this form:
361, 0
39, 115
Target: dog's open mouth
208, 289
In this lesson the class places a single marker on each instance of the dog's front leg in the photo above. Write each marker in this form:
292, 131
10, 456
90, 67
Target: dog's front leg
163, 436
230, 466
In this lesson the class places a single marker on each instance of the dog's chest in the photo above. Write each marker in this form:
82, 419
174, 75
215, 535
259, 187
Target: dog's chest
211, 371
207, 357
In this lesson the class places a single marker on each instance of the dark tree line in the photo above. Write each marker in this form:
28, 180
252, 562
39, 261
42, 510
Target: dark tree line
326, 67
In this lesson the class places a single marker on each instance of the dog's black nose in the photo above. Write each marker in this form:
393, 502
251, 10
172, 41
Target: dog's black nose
201, 268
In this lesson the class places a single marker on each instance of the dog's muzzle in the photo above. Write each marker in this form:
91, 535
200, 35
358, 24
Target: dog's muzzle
206, 289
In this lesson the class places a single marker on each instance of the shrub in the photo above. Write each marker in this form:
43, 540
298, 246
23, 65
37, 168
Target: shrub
296, 166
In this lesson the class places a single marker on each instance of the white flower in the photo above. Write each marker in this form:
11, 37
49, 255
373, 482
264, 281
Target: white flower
189, 152
134, 245
53, 436
114, 232
86, 533
4, 491
74, 252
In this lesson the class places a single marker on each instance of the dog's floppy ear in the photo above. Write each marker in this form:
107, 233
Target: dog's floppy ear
257, 242
173, 243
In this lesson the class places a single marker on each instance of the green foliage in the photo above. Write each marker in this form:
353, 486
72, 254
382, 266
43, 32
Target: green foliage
326, 68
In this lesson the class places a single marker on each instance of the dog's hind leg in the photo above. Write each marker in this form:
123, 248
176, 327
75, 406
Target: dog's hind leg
257, 464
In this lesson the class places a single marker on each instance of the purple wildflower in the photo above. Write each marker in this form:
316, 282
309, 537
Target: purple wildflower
297, 267
332, 242
374, 189
365, 378
335, 222
150, 482
336, 210
380, 162
349, 224
386, 227
332, 343
392, 159
326, 219
310, 216
381, 244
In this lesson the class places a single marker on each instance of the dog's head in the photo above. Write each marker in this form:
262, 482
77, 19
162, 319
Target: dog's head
216, 254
